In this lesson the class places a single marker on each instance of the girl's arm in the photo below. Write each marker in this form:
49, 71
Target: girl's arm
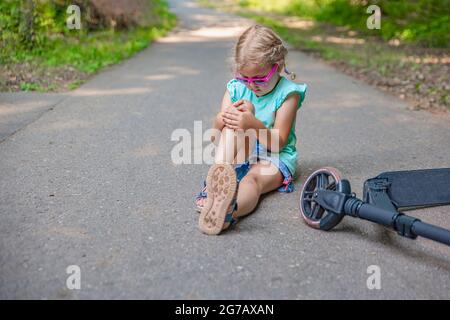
284, 119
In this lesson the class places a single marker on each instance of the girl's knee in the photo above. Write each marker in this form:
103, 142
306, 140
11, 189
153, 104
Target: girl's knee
227, 132
253, 180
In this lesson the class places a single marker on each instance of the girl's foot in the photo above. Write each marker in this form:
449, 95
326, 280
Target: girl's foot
200, 200
200, 204
217, 214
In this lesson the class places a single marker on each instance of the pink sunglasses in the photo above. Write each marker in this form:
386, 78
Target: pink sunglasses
259, 81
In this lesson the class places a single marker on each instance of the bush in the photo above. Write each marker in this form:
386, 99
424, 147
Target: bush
421, 21
31, 26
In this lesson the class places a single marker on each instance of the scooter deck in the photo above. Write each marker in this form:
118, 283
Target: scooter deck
413, 188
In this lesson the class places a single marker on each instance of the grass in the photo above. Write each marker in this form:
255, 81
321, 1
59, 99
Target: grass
27, 86
373, 54
85, 52
422, 22
75, 84
95, 51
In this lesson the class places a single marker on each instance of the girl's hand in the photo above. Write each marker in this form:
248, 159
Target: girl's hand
235, 118
244, 105
220, 119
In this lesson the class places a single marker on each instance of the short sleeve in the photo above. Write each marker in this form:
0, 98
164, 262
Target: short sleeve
236, 90
293, 87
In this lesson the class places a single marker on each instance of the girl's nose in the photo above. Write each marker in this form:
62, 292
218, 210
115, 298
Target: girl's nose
253, 86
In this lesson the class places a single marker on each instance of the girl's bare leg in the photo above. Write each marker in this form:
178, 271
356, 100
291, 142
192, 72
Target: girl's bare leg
234, 146
255, 183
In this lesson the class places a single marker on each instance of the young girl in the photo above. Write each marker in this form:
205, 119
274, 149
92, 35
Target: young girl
257, 125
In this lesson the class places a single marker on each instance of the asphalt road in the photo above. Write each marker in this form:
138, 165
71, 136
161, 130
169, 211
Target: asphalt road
90, 182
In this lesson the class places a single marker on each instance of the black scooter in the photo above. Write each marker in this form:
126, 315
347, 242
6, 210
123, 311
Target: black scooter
325, 199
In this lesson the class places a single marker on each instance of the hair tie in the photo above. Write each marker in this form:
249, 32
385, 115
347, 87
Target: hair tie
292, 74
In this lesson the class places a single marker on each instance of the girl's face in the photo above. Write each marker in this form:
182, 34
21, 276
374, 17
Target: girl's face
257, 71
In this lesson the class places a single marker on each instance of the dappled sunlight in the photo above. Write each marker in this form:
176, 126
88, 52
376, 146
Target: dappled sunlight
429, 59
67, 124
218, 32
148, 150
207, 20
179, 38
173, 72
189, 4
183, 70
160, 77
68, 232
166, 73
86, 92
11, 109
338, 40
295, 23
394, 42
393, 119
204, 34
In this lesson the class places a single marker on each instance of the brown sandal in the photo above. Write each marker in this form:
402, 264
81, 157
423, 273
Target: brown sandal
221, 201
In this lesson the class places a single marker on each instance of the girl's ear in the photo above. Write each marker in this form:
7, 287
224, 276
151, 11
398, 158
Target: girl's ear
280, 66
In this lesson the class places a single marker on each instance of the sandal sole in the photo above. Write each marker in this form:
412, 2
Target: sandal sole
222, 184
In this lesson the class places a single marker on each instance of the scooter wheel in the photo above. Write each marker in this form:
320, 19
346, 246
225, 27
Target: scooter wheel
312, 213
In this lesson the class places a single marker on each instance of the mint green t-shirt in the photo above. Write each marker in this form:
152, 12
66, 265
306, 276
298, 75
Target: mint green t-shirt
265, 110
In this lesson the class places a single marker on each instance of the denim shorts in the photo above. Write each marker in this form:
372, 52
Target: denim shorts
261, 153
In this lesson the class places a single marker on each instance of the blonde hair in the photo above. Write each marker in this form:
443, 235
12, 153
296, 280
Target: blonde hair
261, 46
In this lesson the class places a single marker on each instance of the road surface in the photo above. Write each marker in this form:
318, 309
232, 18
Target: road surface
88, 180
